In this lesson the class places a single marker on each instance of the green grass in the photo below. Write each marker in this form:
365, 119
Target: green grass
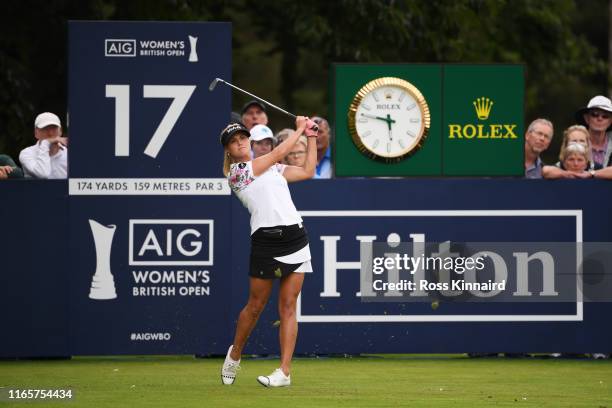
376, 381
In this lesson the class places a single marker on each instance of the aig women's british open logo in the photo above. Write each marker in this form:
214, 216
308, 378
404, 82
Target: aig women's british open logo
102, 283
117, 47
166, 248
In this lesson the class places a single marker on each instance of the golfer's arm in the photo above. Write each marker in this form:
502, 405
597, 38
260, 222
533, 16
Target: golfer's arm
311, 157
263, 163
295, 173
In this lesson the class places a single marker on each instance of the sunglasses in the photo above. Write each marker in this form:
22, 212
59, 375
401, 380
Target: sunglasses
599, 114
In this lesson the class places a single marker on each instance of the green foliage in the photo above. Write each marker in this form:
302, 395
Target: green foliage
563, 44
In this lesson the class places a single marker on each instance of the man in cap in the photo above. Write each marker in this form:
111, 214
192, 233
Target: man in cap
262, 140
597, 117
254, 113
48, 158
537, 139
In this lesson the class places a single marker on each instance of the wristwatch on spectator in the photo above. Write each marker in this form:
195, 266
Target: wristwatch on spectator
592, 173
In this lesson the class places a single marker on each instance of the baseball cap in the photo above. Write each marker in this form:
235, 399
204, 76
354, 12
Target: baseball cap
600, 102
47, 119
230, 130
261, 132
251, 103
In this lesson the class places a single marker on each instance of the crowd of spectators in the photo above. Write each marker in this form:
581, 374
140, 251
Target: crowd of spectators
585, 152
254, 117
586, 148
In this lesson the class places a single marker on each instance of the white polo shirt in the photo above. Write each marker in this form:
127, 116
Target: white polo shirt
266, 196
37, 163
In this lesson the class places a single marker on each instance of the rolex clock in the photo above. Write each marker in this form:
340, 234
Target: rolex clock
388, 119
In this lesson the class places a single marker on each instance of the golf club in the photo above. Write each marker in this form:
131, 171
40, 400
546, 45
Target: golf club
215, 81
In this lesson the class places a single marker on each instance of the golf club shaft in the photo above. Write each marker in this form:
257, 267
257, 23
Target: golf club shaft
256, 97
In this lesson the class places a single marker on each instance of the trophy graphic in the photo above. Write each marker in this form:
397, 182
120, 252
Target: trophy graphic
102, 283
193, 55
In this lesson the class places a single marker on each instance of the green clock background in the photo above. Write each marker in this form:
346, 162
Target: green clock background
504, 85
449, 90
349, 78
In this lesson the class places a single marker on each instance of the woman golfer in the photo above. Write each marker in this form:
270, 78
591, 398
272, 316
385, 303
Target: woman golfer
279, 245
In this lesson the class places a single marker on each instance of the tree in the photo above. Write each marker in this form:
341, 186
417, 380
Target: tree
563, 44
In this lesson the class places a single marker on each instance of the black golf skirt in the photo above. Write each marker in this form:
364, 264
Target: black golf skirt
268, 243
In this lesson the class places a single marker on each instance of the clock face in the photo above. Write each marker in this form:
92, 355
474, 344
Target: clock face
389, 119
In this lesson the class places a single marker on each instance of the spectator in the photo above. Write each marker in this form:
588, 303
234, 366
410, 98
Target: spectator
575, 159
537, 139
323, 170
575, 148
254, 113
48, 158
573, 134
283, 135
235, 117
597, 116
297, 155
8, 168
262, 140
579, 134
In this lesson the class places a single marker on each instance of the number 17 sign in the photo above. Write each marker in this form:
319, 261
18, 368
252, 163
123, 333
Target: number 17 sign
139, 106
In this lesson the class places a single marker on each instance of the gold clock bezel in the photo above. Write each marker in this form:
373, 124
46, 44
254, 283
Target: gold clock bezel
421, 103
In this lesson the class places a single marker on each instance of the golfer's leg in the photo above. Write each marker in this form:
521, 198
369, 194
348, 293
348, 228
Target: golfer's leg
290, 288
259, 292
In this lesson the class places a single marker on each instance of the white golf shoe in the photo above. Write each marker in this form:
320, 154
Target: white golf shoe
229, 369
276, 379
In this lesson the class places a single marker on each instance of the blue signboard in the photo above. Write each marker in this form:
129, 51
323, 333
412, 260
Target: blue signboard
148, 213
147, 252
169, 275
139, 102
341, 214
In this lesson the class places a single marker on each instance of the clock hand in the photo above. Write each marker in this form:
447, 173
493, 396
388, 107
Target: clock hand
367, 115
389, 122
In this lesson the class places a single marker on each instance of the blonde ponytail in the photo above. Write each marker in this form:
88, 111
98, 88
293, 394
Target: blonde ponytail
227, 161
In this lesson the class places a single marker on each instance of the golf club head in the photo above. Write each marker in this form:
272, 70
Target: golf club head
213, 84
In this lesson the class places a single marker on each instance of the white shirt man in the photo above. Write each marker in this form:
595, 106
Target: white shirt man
48, 158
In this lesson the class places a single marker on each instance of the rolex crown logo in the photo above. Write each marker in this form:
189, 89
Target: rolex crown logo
388, 94
483, 107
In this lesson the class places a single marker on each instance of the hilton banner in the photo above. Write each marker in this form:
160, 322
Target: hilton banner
169, 274
337, 317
